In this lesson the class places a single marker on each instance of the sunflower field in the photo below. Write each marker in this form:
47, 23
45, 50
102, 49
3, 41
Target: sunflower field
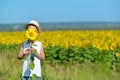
72, 47
103, 40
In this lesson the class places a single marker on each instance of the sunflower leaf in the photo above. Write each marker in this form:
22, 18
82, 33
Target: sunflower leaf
33, 77
34, 52
31, 65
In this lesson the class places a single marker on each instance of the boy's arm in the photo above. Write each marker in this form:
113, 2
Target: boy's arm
22, 52
41, 56
20, 55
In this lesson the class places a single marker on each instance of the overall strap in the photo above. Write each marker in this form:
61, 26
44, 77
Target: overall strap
26, 45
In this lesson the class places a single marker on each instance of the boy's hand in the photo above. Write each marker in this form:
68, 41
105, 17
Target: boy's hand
33, 50
26, 52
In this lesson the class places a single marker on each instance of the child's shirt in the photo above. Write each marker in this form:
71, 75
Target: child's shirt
37, 65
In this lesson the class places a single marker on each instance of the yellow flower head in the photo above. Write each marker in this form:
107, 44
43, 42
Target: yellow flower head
117, 54
31, 34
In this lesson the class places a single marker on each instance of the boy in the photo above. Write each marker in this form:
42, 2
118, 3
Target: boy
25, 50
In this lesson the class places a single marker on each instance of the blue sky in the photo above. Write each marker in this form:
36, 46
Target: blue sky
17, 11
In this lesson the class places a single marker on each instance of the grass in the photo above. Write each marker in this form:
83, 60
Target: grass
87, 71
11, 68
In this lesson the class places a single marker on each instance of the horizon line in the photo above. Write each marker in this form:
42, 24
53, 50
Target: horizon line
63, 22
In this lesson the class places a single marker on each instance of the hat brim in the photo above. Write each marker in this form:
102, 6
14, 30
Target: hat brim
27, 25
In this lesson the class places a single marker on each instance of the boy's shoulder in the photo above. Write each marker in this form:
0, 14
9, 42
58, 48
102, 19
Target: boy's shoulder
24, 42
38, 42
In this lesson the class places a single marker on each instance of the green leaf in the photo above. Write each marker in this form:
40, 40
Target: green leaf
33, 77
34, 52
31, 65
24, 58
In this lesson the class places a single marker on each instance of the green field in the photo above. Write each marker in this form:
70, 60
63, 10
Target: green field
10, 68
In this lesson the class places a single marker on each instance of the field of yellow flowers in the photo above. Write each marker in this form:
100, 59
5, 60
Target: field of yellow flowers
103, 40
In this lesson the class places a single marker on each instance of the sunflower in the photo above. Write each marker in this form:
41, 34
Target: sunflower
31, 34
117, 54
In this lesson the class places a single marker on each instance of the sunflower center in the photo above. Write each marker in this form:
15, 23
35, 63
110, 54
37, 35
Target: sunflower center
30, 34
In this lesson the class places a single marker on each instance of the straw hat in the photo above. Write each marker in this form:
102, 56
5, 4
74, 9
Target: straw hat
33, 23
